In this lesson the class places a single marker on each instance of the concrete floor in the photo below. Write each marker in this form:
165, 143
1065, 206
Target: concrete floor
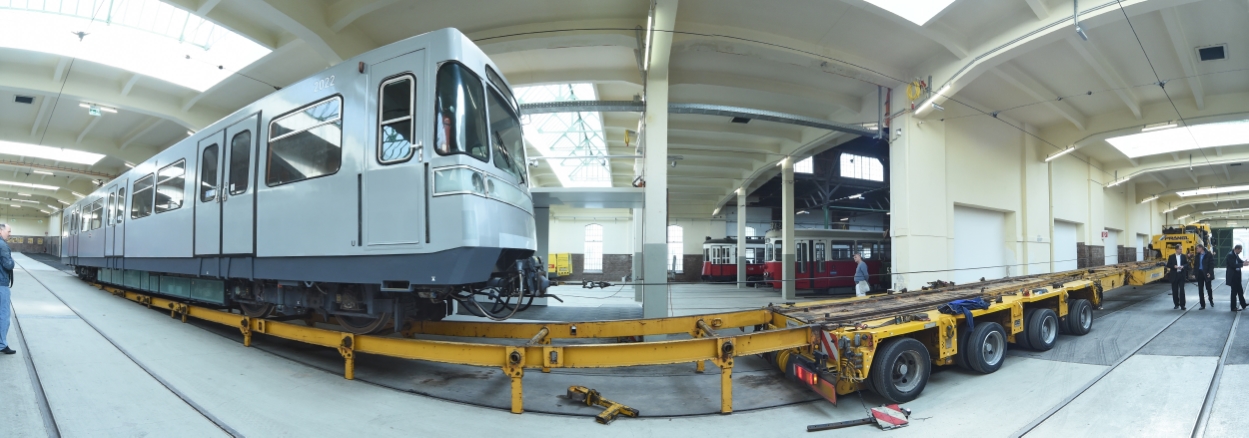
109, 367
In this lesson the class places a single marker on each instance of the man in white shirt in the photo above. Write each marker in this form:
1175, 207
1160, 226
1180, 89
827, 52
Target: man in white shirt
1177, 266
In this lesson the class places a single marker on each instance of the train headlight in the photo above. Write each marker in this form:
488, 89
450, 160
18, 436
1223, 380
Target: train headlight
479, 185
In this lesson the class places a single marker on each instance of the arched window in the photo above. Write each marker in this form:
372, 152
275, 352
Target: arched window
593, 262
750, 231
675, 260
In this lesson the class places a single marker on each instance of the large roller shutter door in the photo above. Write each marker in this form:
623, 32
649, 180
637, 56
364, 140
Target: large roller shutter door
979, 245
1064, 246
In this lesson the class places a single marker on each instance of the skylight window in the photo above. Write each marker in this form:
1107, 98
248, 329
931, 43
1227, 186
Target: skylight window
575, 137
1164, 141
48, 153
147, 37
915, 11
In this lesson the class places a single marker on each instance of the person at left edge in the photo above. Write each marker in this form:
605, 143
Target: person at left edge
6, 280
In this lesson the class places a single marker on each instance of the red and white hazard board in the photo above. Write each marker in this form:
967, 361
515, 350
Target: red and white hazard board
830, 344
890, 416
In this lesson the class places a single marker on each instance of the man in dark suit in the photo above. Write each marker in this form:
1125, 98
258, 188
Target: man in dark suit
1234, 264
1177, 266
1203, 271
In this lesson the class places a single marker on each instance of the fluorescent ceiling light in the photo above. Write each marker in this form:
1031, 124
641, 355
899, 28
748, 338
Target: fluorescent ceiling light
1182, 217
147, 37
53, 207
1159, 126
1055, 155
1225, 210
1119, 181
101, 108
15, 206
845, 219
23, 194
1164, 141
1212, 191
62, 202
915, 11
80, 195
45, 212
28, 185
48, 152
1151, 198
856, 196
44, 172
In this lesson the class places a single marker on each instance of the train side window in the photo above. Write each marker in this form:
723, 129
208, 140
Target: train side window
108, 209
97, 212
121, 205
307, 143
170, 186
141, 198
208, 174
240, 162
395, 104
460, 124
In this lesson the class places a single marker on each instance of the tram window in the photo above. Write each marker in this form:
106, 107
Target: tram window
767, 252
460, 126
394, 140
121, 204
505, 134
208, 175
97, 210
501, 85
170, 186
841, 252
707, 254
141, 200
306, 144
240, 162
819, 256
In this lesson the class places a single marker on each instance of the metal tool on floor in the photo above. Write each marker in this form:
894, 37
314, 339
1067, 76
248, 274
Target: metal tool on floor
885, 417
591, 398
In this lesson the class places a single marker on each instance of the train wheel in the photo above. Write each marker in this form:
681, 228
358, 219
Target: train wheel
900, 370
364, 324
1079, 317
261, 310
986, 347
1041, 328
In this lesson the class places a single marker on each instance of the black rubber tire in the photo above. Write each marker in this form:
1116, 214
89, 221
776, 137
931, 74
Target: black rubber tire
960, 358
1079, 317
1041, 329
900, 370
986, 348
1021, 338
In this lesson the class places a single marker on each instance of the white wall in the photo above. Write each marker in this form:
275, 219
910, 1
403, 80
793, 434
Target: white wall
979, 244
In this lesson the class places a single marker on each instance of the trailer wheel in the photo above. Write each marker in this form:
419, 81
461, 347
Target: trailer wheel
1041, 329
986, 348
1079, 317
964, 339
900, 370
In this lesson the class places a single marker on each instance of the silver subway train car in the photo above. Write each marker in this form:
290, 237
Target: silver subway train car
383, 189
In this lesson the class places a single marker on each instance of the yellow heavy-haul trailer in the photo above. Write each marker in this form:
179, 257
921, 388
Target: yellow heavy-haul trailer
1186, 236
888, 344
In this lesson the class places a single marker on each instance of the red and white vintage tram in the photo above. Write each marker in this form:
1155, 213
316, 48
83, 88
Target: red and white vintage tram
825, 258
720, 259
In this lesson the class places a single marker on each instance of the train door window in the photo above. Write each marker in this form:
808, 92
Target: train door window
461, 113
108, 209
208, 174
819, 256
141, 199
306, 143
505, 134
733, 255
170, 186
707, 254
240, 162
121, 204
394, 139
802, 256
776, 253
97, 212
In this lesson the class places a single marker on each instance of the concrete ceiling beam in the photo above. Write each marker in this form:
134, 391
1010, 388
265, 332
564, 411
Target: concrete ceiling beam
1033, 88
1107, 73
343, 12
1183, 51
75, 90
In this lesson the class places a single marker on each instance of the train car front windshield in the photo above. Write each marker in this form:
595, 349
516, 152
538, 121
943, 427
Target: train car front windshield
461, 123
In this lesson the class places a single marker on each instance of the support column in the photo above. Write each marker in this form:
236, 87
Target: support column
741, 237
639, 220
788, 289
655, 235
920, 224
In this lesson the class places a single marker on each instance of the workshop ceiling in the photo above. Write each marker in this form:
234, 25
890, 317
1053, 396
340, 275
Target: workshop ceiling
814, 58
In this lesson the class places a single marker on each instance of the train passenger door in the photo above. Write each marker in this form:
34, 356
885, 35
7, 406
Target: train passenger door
207, 197
237, 196
393, 180
119, 220
110, 201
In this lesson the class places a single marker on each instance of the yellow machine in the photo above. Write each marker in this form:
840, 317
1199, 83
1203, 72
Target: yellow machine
560, 265
1187, 236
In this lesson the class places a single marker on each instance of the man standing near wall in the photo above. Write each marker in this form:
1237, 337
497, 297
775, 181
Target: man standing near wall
1234, 264
1203, 271
1178, 266
860, 276
6, 280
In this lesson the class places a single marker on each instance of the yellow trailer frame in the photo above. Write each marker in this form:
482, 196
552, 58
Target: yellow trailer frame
789, 333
